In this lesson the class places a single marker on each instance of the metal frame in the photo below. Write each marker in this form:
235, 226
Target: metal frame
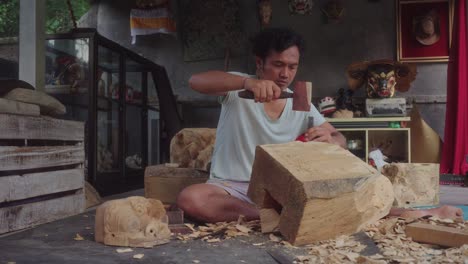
169, 116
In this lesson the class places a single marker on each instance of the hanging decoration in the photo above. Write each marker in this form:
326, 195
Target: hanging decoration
265, 12
300, 7
151, 17
333, 11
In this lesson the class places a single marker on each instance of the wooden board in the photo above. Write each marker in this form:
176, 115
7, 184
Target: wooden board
437, 235
27, 215
40, 127
36, 184
19, 108
23, 158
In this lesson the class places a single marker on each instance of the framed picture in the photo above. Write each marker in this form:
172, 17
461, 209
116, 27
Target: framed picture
424, 29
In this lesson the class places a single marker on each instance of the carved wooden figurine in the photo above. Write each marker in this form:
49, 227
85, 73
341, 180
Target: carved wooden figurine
132, 222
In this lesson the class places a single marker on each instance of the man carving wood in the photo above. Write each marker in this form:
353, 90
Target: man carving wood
244, 124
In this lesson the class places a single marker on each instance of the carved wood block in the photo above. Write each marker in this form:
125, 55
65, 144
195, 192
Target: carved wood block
193, 147
165, 182
323, 190
414, 184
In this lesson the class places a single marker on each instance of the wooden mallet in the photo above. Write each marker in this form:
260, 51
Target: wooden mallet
301, 96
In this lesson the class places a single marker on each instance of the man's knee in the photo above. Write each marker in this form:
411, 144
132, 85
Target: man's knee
195, 201
188, 198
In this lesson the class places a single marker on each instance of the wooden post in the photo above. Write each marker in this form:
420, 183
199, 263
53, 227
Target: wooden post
32, 43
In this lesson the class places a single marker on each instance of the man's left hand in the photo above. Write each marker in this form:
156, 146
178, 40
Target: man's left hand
319, 134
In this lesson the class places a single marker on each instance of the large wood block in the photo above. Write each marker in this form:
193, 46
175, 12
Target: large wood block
48, 105
19, 108
164, 183
414, 184
321, 190
193, 147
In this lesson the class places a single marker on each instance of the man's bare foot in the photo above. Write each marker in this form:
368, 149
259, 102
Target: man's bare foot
442, 212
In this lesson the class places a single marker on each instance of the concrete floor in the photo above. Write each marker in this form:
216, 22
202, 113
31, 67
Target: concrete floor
54, 243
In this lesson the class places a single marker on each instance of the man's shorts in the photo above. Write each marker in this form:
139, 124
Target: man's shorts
234, 188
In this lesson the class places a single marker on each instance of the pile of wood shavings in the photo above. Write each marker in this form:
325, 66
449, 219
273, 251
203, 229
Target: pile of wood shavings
389, 234
223, 230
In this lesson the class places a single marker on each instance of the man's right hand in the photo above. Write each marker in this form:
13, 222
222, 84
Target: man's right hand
264, 90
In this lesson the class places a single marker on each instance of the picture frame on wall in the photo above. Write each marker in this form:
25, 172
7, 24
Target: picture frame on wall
424, 30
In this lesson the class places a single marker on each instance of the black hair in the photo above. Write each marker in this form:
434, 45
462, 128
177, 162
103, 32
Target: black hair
276, 39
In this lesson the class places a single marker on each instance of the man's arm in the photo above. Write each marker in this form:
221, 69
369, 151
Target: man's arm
326, 133
220, 83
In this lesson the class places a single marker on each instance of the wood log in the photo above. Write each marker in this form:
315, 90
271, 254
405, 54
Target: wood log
18, 187
18, 108
40, 127
193, 147
164, 183
47, 104
324, 190
24, 158
437, 235
26, 215
414, 184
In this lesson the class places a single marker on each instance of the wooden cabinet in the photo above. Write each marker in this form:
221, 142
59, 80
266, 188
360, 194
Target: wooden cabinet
125, 100
388, 134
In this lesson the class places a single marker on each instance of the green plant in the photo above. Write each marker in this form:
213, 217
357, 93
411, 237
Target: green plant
9, 18
58, 17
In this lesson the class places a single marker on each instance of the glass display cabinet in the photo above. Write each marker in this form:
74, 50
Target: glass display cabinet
125, 100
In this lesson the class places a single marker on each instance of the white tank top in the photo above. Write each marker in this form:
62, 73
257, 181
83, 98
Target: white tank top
243, 125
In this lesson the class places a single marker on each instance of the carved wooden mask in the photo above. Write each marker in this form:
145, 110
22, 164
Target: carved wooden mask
382, 77
265, 12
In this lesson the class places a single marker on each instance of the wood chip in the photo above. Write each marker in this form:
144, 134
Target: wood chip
274, 238
213, 240
124, 250
191, 226
78, 237
138, 256
243, 228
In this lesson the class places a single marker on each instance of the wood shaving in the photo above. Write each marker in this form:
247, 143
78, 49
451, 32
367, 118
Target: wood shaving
243, 228
213, 240
124, 250
138, 256
78, 237
395, 247
222, 230
274, 238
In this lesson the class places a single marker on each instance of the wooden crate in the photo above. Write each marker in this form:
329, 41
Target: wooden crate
41, 170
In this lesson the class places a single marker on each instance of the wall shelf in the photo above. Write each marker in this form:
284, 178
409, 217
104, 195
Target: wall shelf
364, 135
